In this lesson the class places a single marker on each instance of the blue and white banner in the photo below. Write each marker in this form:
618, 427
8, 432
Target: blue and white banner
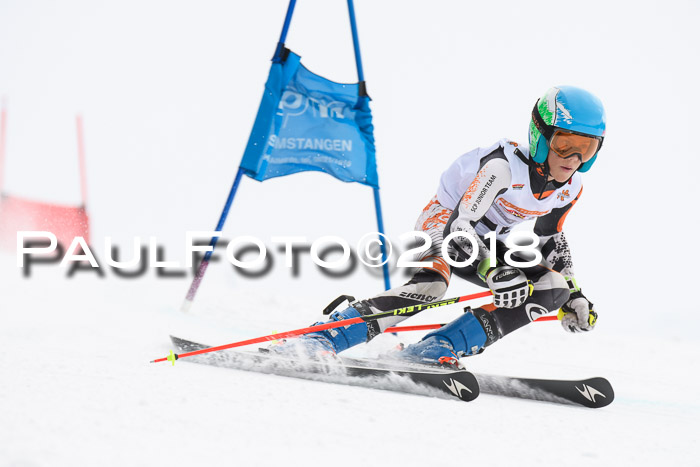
306, 122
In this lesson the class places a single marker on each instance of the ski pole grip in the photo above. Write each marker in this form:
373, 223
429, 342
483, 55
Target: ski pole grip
332, 305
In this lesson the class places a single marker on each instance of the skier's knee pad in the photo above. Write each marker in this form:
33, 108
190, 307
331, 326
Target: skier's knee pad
425, 285
426, 291
551, 291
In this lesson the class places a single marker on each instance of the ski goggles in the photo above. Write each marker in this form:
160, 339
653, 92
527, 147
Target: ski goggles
566, 144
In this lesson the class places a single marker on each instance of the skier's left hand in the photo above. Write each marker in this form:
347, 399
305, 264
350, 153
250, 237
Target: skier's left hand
510, 286
578, 314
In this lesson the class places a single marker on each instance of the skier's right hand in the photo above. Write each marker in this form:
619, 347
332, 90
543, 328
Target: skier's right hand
509, 285
578, 314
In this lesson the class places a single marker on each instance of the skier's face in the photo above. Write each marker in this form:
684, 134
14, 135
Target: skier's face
561, 169
568, 150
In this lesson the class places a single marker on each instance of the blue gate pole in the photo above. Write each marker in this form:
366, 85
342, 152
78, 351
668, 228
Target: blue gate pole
380, 226
355, 41
187, 303
362, 90
189, 298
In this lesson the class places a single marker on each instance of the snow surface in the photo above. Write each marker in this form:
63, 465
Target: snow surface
78, 390
168, 91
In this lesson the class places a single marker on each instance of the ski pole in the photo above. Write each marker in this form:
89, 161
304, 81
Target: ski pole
404, 311
427, 327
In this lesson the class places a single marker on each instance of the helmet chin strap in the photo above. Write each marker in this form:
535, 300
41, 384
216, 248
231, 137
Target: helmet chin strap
546, 178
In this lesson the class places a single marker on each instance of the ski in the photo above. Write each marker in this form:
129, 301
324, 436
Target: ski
412, 379
392, 375
592, 393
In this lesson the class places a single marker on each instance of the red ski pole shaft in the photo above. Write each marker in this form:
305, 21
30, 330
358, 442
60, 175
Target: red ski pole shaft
427, 327
404, 311
419, 327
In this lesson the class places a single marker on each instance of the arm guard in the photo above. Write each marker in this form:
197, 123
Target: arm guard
556, 253
553, 244
492, 179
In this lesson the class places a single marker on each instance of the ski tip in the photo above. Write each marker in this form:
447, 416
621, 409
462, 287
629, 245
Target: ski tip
461, 384
598, 392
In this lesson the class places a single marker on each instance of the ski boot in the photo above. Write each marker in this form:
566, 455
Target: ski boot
328, 343
467, 335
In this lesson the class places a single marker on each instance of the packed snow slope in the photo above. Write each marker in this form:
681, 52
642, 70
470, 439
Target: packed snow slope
78, 389
168, 91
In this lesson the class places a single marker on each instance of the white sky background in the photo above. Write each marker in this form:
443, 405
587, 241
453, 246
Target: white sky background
169, 91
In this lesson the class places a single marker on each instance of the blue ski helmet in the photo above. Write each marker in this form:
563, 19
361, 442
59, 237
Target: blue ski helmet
568, 108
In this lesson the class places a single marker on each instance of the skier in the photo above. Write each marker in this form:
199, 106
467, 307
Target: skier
492, 190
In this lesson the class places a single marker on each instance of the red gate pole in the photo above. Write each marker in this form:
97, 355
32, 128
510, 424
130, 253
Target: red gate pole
81, 160
3, 134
